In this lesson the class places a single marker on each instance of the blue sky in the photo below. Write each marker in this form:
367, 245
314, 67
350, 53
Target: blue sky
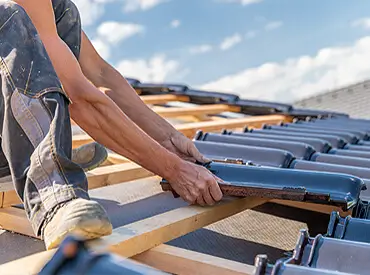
272, 49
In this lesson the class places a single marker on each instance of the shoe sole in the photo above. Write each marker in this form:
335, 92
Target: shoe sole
100, 156
79, 232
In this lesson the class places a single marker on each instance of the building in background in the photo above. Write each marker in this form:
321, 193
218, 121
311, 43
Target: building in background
353, 100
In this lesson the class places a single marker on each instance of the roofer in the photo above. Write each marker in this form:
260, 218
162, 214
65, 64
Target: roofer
50, 73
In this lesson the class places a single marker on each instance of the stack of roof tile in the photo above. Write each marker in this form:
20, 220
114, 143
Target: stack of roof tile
322, 161
249, 107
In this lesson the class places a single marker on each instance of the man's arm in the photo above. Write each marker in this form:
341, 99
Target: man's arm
101, 118
104, 76
114, 85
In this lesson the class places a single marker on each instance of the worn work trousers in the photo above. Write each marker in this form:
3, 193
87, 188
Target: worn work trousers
36, 137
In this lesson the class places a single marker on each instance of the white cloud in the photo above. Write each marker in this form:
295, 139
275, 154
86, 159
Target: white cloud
91, 10
136, 5
175, 23
230, 41
362, 22
273, 25
200, 49
302, 76
114, 32
156, 69
101, 47
110, 33
242, 2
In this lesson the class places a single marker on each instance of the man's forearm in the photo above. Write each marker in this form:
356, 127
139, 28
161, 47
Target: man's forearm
110, 81
108, 125
116, 87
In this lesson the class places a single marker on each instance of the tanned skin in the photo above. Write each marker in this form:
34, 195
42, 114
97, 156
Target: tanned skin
111, 112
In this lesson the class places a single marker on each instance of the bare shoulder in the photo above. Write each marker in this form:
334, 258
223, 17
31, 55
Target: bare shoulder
35, 6
41, 13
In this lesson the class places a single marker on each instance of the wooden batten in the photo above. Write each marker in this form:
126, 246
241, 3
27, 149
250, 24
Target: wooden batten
117, 159
196, 111
15, 220
163, 99
321, 208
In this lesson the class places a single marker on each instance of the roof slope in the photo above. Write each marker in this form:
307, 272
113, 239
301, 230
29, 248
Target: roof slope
353, 100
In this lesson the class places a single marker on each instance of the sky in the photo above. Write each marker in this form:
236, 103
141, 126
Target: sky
277, 50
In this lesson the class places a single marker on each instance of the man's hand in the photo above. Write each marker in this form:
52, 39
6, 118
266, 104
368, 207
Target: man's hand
184, 148
195, 184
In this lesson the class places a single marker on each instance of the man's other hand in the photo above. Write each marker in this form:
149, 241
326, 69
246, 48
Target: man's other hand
183, 147
195, 184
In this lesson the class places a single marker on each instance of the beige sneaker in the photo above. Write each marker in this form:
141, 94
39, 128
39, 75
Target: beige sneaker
84, 218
